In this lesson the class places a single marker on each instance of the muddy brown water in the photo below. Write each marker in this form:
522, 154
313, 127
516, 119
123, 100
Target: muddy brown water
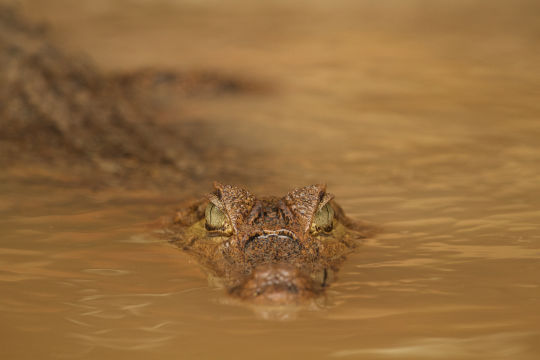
421, 116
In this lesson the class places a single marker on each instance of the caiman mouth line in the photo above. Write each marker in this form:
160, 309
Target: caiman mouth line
272, 246
279, 236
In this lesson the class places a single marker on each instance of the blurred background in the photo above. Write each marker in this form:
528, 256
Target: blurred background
348, 83
422, 117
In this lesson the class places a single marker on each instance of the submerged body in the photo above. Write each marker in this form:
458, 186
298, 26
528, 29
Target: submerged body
272, 250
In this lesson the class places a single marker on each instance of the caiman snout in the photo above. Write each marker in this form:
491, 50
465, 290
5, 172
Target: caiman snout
272, 246
276, 284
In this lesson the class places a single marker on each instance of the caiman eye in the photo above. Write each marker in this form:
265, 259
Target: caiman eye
323, 219
216, 219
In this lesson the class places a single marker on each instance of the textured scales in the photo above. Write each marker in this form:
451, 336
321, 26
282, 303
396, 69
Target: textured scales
305, 201
236, 202
272, 255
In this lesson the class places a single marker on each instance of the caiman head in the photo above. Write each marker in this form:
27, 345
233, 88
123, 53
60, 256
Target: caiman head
270, 250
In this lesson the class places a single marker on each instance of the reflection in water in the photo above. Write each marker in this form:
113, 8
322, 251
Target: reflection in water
498, 346
422, 117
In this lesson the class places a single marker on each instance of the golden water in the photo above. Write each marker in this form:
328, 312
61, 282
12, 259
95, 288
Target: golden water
422, 116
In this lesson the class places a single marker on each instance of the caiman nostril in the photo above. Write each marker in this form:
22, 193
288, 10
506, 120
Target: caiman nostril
276, 284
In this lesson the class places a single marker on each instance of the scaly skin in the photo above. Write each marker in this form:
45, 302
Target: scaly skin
269, 250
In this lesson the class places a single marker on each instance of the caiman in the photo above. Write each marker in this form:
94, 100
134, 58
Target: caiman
269, 250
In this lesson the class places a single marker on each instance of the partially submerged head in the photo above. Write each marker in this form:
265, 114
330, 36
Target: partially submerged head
271, 250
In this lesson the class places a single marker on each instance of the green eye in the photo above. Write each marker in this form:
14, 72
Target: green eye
215, 218
323, 219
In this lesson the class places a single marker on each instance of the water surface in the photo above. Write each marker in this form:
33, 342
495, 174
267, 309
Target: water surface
421, 116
